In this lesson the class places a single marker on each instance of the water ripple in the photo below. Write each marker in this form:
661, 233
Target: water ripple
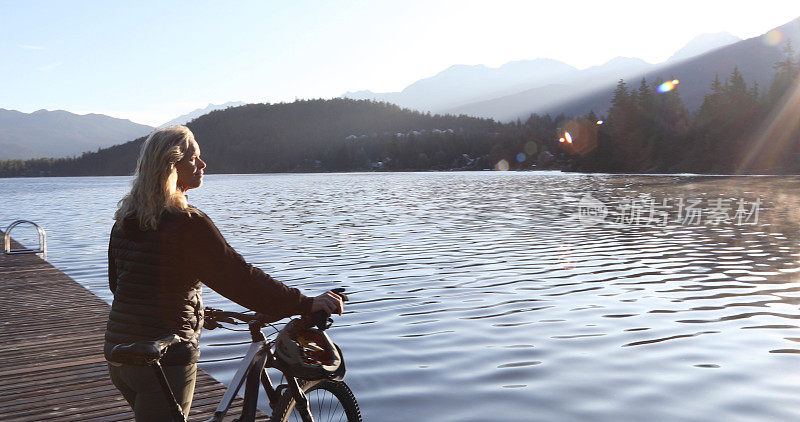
487, 281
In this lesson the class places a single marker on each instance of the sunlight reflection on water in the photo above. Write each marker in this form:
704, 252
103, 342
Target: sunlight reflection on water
480, 296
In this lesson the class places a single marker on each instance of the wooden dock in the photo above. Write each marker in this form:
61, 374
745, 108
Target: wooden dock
51, 351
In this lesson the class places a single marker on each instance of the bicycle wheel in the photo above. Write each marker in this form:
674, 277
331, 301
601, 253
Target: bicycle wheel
328, 401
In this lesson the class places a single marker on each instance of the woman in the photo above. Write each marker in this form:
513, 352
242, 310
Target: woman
160, 251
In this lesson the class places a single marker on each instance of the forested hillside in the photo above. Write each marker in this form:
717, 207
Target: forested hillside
739, 128
324, 135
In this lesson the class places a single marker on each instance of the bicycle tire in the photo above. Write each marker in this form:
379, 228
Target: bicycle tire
328, 401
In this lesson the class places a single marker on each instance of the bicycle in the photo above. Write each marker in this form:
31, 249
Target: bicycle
332, 398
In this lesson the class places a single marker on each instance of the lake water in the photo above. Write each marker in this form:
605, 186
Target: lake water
487, 296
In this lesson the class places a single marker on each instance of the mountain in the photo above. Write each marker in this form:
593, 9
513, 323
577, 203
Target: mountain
754, 57
60, 133
517, 89
451, 89
460, 84
551, 96
703, 44
188, 117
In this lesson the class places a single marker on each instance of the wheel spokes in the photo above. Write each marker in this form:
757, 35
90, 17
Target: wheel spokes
324, 406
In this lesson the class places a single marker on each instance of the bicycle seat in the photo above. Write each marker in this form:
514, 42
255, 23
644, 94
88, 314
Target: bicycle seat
142, 352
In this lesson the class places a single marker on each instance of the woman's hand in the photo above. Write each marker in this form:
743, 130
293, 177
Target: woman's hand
329, 302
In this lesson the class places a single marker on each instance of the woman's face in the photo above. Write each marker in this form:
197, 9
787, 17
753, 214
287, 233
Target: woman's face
190, 168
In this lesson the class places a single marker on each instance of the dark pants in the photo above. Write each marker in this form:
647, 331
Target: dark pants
140, 387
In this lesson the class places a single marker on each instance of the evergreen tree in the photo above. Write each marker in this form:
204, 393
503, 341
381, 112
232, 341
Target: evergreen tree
670, 125
628, 121
786, 72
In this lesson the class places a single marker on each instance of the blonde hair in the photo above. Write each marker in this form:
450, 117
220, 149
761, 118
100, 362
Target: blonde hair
155, 184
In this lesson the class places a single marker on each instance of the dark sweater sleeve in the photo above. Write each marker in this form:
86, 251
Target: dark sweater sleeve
224, 270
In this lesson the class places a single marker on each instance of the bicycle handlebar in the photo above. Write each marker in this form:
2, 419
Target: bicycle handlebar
319, 318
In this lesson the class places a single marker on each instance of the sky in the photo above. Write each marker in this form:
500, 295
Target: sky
150, 61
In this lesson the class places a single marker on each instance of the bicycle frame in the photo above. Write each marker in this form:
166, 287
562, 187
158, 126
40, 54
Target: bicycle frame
255, 358
253, 371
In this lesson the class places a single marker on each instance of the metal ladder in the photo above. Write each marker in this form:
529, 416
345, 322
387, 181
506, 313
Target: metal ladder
42, 240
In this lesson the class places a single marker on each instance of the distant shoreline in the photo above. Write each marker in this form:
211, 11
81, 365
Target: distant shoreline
449, 171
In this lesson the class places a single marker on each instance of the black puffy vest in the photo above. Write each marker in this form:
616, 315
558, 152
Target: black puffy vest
154, 295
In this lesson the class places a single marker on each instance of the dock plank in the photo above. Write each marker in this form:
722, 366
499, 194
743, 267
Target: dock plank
51, 351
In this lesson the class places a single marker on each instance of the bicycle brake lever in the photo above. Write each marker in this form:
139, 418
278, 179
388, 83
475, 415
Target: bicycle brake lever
321, 320
226, 319
340, 291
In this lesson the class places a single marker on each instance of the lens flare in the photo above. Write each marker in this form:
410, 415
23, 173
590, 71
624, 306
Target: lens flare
772, 38
520, 157
600, 122
579, 136
668, 86
501, 165
531, 148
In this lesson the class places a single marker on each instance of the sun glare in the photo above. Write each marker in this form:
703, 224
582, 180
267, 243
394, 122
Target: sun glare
775, 136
